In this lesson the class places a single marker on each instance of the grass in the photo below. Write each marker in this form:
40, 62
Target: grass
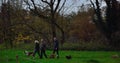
9, 56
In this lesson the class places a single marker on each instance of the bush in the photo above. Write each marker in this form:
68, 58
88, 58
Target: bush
83, 46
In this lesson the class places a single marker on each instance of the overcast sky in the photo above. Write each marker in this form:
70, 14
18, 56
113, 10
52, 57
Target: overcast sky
73, 5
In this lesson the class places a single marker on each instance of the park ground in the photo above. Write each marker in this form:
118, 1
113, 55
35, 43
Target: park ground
9, 56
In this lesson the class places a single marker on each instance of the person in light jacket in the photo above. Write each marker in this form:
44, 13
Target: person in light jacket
37, 48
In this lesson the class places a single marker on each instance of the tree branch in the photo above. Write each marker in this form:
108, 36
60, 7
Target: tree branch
62, 6
35, 10
58, 3
93, 5
45, 1
34, 4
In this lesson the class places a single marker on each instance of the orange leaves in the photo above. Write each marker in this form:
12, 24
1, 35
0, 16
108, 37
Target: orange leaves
21, 37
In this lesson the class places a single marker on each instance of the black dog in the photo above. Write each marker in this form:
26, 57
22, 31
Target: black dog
68, 57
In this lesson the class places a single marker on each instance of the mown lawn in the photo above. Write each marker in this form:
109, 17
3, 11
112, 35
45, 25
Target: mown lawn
9, 56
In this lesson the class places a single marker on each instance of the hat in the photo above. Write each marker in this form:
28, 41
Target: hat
36, 41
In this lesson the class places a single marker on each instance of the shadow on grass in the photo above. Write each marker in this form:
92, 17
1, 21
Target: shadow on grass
93, 61
7, 60
11, 59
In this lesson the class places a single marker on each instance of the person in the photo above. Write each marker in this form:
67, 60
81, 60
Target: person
56, 47
37, 48
43, 49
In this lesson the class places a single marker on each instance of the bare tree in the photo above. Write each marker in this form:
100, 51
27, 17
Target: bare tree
54, 7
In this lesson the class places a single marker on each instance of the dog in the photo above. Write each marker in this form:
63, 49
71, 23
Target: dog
28, 53
68, 57
52, 56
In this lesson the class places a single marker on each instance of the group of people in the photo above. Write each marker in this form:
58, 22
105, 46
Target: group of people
40, 49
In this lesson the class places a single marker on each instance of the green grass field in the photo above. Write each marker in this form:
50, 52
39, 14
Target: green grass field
9, 56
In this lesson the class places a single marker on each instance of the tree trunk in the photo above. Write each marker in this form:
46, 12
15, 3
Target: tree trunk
7, 35
62, 32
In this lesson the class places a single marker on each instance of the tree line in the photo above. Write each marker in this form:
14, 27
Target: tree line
25, 20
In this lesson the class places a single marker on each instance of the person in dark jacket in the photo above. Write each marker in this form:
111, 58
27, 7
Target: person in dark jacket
56, 47
43, 49
37, 48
